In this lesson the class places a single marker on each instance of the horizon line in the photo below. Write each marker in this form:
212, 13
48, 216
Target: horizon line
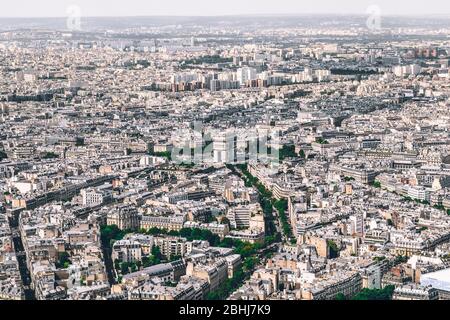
415, 15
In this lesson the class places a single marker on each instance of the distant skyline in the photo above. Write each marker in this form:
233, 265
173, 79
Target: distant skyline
117, 8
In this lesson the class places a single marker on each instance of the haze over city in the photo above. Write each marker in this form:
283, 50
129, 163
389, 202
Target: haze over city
50, 8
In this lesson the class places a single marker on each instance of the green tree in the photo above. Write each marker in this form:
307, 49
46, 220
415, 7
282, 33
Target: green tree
400, 259
340, 297
227, 243
50, 155
225, 220
228, 287
302, 154
250, 263
167, 155
376, 294
147, 262
111, 234
156, 232
124, 267
63, 260
173, 233
288, 151
377, 184
334, 250
379, 259
79, 142
320, 140
156, 253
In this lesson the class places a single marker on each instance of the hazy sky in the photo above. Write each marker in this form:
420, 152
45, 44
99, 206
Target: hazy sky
58, 8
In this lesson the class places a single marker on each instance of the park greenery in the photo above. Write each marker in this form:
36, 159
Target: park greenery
229, 286
384, 294
375, 294
288, 151
442, 208
409, 199
250, 253
334, 250
322, 141
111, 234
302, 154
282, 207
376, 184
50, 155
268, 203
379, 259
400, 259
167, 155
63, 260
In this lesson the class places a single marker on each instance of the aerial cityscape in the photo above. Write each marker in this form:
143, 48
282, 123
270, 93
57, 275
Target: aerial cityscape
236, 157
